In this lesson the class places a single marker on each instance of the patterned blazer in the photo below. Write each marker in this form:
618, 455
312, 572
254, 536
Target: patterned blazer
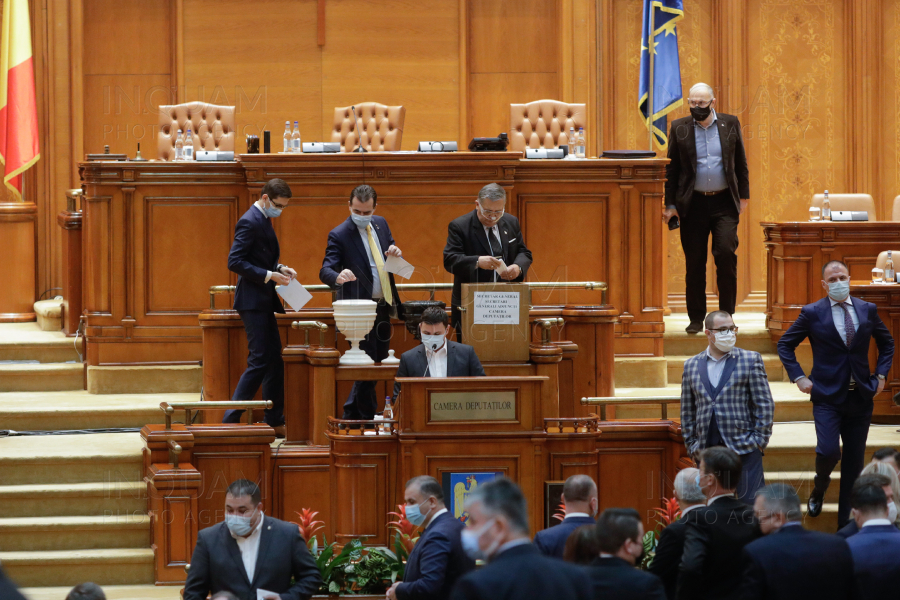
743, 403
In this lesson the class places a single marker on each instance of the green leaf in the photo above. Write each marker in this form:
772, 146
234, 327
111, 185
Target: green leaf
334, 587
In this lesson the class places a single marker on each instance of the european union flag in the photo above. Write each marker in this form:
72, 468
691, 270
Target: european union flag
665, 77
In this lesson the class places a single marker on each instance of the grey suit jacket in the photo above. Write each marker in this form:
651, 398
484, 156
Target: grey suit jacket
217, 564
461, 362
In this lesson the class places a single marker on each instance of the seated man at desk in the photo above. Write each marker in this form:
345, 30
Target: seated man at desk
437, 356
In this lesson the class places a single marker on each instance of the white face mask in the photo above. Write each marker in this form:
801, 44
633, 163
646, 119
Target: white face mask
892, 512
725, 340
433, 342
839, 290
240, 525
470, 538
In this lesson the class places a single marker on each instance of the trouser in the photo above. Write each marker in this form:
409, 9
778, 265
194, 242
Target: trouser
847, 422
752, 477
716, 215
264, 366
362, 403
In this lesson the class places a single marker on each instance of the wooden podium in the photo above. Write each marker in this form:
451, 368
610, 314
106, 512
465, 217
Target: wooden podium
495, 320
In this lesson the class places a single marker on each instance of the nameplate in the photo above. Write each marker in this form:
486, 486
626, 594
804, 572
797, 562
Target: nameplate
496, 308
468, 406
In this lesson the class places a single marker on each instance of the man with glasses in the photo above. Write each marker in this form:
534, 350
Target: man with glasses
707, 188
478, 241
726, 401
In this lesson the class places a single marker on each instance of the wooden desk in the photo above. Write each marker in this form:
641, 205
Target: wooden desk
156, 235
887, 299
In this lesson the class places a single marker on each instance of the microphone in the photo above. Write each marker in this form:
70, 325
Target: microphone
358, 136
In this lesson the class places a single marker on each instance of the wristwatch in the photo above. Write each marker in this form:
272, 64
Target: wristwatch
880, 376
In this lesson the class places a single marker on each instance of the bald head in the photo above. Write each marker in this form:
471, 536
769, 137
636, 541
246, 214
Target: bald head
580, 495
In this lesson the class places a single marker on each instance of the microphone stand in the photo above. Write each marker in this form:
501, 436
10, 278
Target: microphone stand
358, 136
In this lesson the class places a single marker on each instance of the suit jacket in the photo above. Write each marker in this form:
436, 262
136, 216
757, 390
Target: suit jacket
254, 251
848, 530
796, 563
552, 541
681, 172
466, 241
833, 361
523, 572
743, 402
461, 362
875, 550
711, 566
217, 564
436, 562
345, 250
615, 578
667, 559
8, 590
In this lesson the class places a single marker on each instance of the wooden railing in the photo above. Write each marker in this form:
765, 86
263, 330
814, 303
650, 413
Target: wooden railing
169, 408
603, 403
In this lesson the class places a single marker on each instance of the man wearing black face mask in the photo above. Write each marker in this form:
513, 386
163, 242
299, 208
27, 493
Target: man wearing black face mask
707, 188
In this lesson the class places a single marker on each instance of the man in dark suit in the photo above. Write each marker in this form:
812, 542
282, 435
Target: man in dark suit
8, 590
437, 356
667, 560
840, 329
254, 257
250, 552
354, 266
438, 559
889, 456
711, 566
581, 504
708, 188
792, 562
478, 241
877, 545
498, 532
620, 536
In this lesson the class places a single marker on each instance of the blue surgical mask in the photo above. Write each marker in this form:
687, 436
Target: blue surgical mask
470, 538
361, 221
414, 514
433, 342
839, 290
239, 525
272, 211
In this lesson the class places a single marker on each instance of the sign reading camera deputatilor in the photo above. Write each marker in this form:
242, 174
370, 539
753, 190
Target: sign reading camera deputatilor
469, 406
496, 308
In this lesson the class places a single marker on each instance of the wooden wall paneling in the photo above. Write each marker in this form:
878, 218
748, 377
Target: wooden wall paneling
173, 517
18, 229
631, 474
889, 156
301, 479
70, 222
220, 464
585, 69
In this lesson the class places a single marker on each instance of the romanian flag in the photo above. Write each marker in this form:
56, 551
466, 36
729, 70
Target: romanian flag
18, 107
661, 39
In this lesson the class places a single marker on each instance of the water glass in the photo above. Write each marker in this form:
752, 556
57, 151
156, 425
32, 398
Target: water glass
815, 213
877, 275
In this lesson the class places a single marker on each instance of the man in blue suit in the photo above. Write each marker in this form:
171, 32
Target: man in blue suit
877, 545
354, 266
254, 257
581, 504
438, 559
620, 535
792, 562
726, 401
841, 386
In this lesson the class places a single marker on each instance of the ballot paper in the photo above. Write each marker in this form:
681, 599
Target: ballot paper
262, 594
395, 264
501, 270
294, 294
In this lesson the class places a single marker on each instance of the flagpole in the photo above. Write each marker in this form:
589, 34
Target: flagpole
651, 38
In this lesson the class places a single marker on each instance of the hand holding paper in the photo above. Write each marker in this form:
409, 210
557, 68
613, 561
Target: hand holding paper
294, 294
395, 264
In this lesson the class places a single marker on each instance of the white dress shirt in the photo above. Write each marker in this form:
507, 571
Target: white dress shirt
576, 514
719, 497
871, 522
437, 360
436, 515
376, 280
493, 241
715, 367
249, 547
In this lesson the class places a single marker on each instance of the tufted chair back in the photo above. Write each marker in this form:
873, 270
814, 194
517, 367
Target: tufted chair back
381, 127
848, 202
543, 124
212, 127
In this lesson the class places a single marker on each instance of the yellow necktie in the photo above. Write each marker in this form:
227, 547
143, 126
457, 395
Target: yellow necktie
379, 264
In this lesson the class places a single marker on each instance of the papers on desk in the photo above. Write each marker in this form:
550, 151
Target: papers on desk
395, 264
294, 294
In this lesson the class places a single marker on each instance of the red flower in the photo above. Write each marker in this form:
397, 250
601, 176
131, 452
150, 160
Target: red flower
308, 526
561, 514
668, 513
404, 528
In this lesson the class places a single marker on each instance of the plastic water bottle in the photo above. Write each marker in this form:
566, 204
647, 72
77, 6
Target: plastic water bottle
295, 139
188, 145
388, 415
179, 146
571, 140
287, 136
826, 208
579, 143
889, 274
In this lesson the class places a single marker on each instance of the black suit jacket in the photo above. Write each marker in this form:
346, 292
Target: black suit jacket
552, 541
254, 251
681, 172
436, 562
615, 578
217, 564
796, 563
466, 241
345, 250
711, 565
848, 530
8, 590
667, 560
523, 572
461, 362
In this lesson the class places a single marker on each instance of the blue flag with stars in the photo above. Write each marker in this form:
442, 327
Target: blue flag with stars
666, 76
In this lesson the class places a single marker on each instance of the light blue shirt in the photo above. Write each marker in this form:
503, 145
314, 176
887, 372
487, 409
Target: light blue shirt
376, 280
710, 168
715, 368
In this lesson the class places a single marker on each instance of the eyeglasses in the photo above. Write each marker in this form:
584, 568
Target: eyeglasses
732, 329
699, 103
491, 213
276, 205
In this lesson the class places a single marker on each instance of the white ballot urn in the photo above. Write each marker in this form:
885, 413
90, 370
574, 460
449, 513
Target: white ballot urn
355, 319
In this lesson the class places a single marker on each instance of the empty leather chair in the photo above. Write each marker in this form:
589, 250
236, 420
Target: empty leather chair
882, 258
380, 127
848, 202
212, 127
895, 213
543, 124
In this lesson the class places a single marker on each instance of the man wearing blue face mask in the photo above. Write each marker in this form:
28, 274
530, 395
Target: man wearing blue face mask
841, 385
438, 559
726, 401
254, 257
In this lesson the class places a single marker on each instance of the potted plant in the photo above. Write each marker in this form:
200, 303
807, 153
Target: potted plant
665, 516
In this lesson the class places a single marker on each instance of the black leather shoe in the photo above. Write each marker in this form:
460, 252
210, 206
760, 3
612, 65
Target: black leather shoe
814, 504
694, 327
